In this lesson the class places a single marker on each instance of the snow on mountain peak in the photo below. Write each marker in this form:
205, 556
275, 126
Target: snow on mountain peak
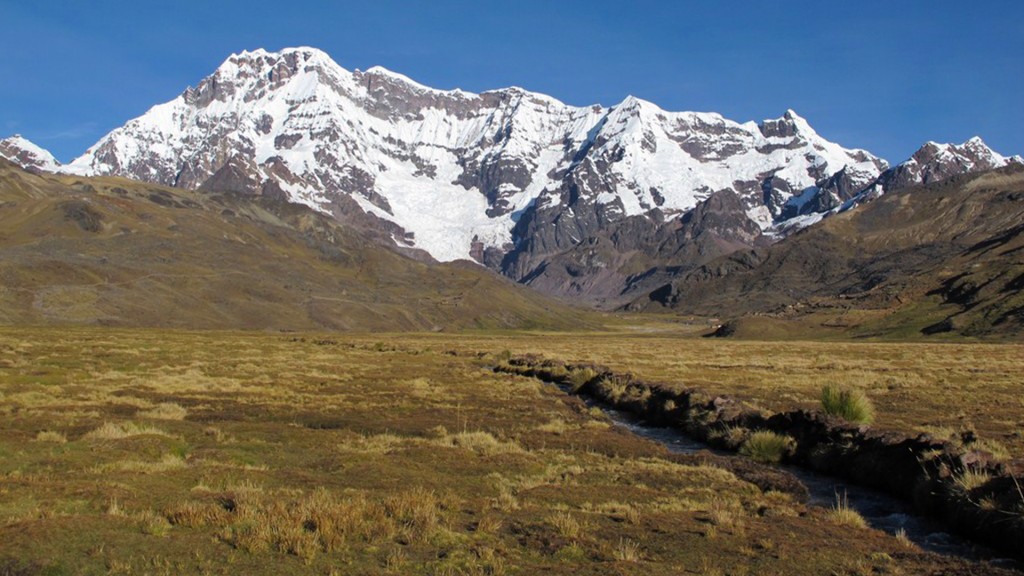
450, 170
27, 154
307, 53
799, 123
938, 160
932, 162
380, 71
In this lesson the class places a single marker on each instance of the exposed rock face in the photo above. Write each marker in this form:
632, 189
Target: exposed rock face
579, 201
930, 164
829, 195
637, 253
945, 255
936, 162
509, 178
24, 153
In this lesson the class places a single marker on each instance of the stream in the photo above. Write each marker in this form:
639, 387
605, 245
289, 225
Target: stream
880, 510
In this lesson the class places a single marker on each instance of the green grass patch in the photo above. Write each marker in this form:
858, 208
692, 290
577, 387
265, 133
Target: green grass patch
767, 447
851, 405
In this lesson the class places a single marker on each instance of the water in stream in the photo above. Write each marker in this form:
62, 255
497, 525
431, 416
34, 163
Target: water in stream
880, 510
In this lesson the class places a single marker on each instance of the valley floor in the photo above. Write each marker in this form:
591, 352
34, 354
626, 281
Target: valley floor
165, 452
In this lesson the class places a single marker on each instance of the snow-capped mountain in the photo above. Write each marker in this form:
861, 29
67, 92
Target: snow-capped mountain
26, 154
933, 162
456, 170
591, 201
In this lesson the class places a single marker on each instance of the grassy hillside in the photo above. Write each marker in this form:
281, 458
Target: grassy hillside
110, 251
940, 259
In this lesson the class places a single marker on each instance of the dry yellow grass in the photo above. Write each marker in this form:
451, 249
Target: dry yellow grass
481, 442
51, 436
265, 454
111, 431
165, 411
164, 464
841, 513
566, 525
627, 551
946, 388
970, 479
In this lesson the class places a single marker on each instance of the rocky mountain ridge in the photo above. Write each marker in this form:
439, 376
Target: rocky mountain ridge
28, 155
941, 257
589, 202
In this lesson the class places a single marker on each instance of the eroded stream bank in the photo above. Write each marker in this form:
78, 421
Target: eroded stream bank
916, 475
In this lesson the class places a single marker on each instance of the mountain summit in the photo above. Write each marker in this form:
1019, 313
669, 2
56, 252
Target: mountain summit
27, 154
452, 168
580, 201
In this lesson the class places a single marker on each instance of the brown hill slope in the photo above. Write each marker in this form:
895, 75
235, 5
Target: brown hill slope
118, 252
941, 258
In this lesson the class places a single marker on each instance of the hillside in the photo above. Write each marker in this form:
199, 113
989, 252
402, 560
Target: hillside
110, 251
925, 260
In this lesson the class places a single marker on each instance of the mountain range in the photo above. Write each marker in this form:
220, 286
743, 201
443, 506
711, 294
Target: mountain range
939, 258
599, 204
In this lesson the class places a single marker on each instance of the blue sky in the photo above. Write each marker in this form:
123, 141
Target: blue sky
885, 76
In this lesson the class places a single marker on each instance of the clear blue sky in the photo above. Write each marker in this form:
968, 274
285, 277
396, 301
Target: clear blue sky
885, 76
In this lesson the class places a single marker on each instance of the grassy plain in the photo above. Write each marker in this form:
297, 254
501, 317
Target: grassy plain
165, 452
942, 388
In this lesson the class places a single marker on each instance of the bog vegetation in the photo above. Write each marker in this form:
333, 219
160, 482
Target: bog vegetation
162, 452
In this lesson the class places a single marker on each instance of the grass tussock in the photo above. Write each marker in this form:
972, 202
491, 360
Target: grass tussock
481, 442
414, 512
111, 431
377, 443
842, 514
554, 426
566, 525
321, 521
851, 405
506, 500
489, 524
767, 447
904, 540
580, 377
621, 390
627, 551
51, 436
165, 464
198, 514
165, 411
153, 524
727, 514
970, 479
114, 508
993, 447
